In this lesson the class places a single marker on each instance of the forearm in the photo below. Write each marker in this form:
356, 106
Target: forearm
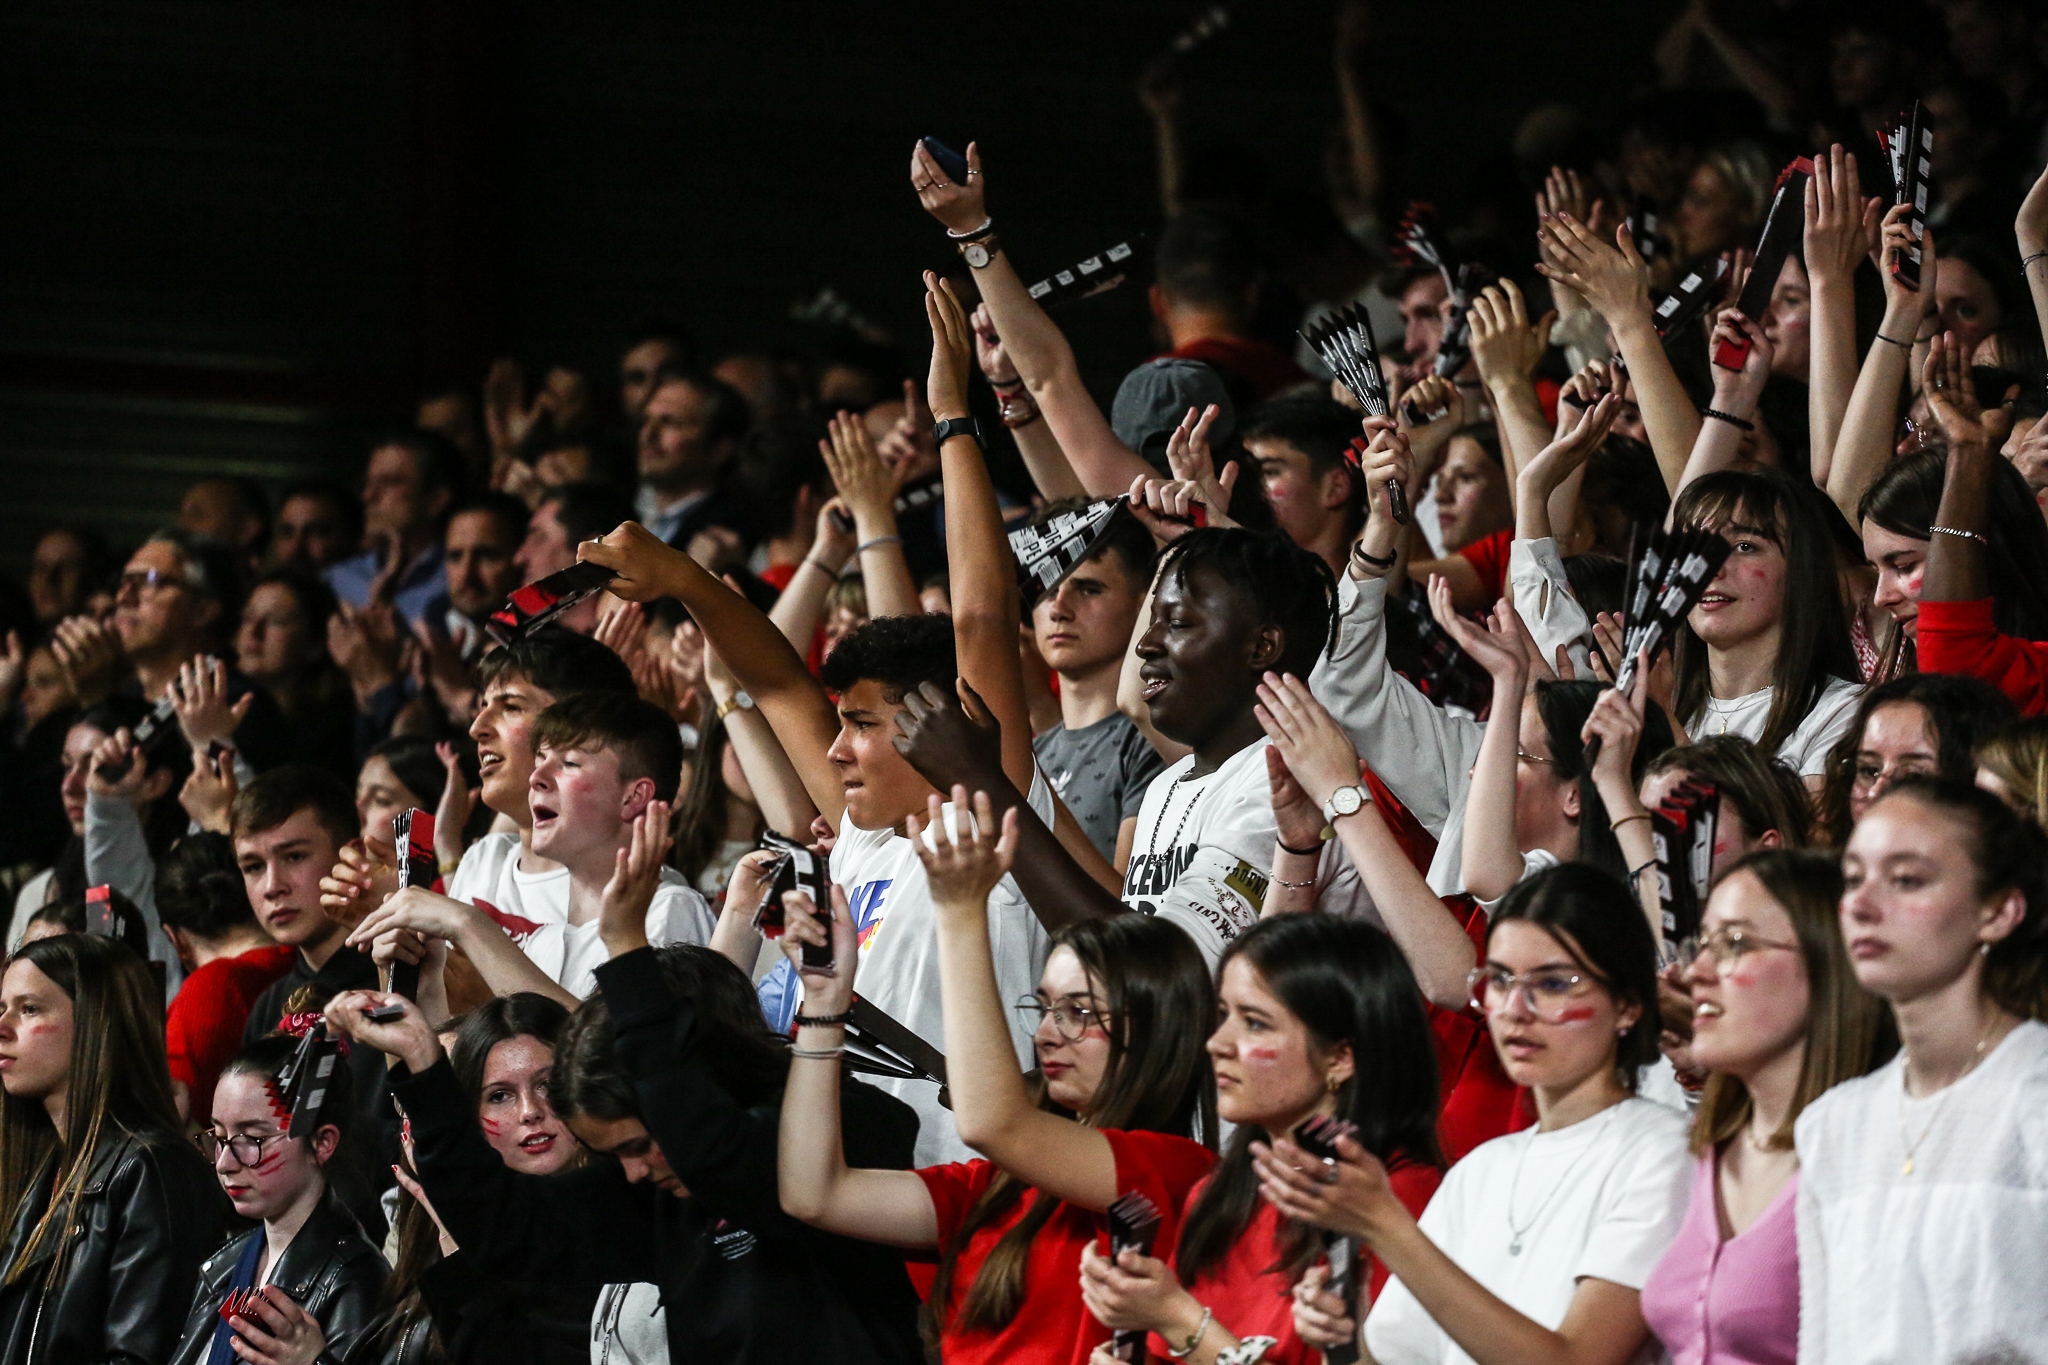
1532, 503
1104, 465
1754, 74
2037, 282
1863, 443
991, 1103
1361, 131
1292, 890
1518, 414
1059, 888
1718, 446
1833, 370
986, 610
778, 790
1047, 464
1492, 857
1673, 423
1632, 830
1166, 137
814, 1182
1433, 941
800, 610
884, 571
1486, 1329
1955, 563
499, 962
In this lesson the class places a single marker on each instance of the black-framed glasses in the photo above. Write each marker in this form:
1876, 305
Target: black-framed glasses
246, 1148
1069, 1020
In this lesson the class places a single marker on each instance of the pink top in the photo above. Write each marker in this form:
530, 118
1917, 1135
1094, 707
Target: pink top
1728, 1303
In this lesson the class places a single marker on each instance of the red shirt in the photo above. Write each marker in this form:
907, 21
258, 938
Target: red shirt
1489, 555
1053, 1327
1264, 368
1251, 1298
1961, 637
203, 1031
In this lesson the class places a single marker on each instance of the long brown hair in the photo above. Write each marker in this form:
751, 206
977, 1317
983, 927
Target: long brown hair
117, 1082
1848, 1030
1161, 1005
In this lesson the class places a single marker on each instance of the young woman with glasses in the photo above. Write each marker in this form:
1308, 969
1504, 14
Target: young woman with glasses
1777, 1019
109, 1209
1537, 1245
1123, 1008
1923, 1187
1923, 724
314, 1279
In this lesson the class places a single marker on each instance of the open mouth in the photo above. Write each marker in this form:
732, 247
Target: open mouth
487, 762
1714, 600
1155, 683
1706, 1009
543, 814
537, 1143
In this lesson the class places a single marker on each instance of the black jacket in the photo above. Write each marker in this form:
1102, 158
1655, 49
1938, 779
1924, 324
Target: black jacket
330, 1270
741, 1281
150, 1210
484, 1319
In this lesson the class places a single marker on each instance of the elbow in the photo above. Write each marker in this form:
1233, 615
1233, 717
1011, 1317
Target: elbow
803, 1200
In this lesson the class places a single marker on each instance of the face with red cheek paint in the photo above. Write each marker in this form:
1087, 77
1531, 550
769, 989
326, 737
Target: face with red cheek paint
1271, 1071
1073, 1067
289, 1169
35, 1034
1550, 1035
1750, 1012
514, 1112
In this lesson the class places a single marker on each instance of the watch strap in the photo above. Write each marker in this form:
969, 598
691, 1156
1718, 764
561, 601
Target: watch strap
957, 426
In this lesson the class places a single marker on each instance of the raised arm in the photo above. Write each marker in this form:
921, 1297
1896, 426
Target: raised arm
1732, 414
1558, 462
1617, 722
766, 664
1615, 281
816, 1184
1508, 348
991, 1103
1841, 225
778, 790
504, 968
983, 573
1863, 447
1493, 856
800, 610
1044, 360
1309, 744
869, 488
1956, 570
2031, 227
1036, 445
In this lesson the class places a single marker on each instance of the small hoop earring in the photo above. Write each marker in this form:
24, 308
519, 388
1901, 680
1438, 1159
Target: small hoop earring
1331, 1083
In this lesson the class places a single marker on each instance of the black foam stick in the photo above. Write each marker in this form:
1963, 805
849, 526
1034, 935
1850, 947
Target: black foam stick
541, 601
1343, 340
152, 734
1682, 833
1781, 233
1093, 274
413, 832
1911, 145
1318, 1137
877, 1045
1133, 1226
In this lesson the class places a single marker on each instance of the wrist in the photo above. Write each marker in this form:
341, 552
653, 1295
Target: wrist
873, 525
420, 1056
1632, 328
1180, 1318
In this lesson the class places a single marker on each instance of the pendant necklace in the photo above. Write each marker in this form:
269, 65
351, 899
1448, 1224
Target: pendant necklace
1912, 1146
1517, 1233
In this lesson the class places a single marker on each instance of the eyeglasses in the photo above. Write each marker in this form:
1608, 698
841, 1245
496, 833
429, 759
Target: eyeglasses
1528, 757
139, 579
1548, 991
1070, 1021
1729, 946
1868, 777
247, 1148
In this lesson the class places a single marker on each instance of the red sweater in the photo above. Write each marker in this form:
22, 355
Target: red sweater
203, 1030
1959, 637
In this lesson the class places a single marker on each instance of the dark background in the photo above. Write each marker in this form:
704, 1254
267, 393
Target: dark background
241, 237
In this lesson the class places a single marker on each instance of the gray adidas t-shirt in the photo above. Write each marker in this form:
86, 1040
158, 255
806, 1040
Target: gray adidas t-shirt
1101, 772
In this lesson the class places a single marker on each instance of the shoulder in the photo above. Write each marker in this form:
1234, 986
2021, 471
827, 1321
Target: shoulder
482, 859
1845, 1107
1168, 1159
150, 1164
1651, 1140
215, 1270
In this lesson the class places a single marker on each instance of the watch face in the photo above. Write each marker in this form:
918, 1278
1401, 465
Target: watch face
977, 255
1346, 800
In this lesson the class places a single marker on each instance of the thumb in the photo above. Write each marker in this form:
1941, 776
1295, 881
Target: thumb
1227, 479
971, 702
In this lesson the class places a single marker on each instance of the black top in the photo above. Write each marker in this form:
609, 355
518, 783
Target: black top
484, 1319
330, 1270
740, 1279
150, 1210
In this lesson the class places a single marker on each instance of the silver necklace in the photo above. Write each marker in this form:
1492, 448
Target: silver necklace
1517, 1233
1167, 805
1941, 1102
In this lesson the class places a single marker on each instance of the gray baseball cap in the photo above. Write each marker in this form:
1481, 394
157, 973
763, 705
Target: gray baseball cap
1155, 397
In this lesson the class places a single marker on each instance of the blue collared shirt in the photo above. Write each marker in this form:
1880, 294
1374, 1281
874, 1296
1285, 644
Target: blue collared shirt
420, 585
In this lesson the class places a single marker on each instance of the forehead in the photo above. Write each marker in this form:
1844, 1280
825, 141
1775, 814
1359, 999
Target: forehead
1200, 588
243, 1098
377, 772
867, 695
1519, 945
1064, 975
1426, 292
517, 688
1275, 448
1900, 825
57, 546
1742, 899
677, 397
479, 528
1898, 725
392, 462
1243, 983
157, 554
517, 1058
1467, 455
83, 739
303, 827
1879, 542
605, 1135
24, 978
305, 509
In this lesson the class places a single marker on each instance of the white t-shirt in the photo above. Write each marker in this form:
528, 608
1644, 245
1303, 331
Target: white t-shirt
1202, 853
34, 892
1943, 1264
898, 974
1805, 750
1601, 1199
628, 1326
533, 908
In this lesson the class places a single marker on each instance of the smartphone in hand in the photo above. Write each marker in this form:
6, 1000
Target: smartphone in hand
950, 161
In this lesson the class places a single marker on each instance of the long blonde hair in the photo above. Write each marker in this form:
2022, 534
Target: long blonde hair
117, 1082
2018, 758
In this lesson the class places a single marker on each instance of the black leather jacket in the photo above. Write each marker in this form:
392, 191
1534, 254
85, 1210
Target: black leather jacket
150, 1209
330, 1270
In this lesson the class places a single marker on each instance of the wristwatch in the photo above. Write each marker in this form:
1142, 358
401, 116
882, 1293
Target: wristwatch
979, 254
740, 701
1345, 801
957, 426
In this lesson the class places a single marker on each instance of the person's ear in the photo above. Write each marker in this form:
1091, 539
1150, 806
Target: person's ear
1340, 1066
438, 500
1770, 838
1156, 297
1267, 648
1337, 486
2002, 917
155, 785
1626, 1016
324, 1143
639, 792
1568, 800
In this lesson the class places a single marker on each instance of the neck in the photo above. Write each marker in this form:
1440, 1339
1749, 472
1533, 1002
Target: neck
1743, 668
1332, 546
1941, 1032
1227, 739
1562, 1106
279, 1231
318, 952
670, 491
156, 670
530, 862
1773, 1088
232, 945
411, 541
1086, 698
1185, 326
1280, 1127
588, 877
